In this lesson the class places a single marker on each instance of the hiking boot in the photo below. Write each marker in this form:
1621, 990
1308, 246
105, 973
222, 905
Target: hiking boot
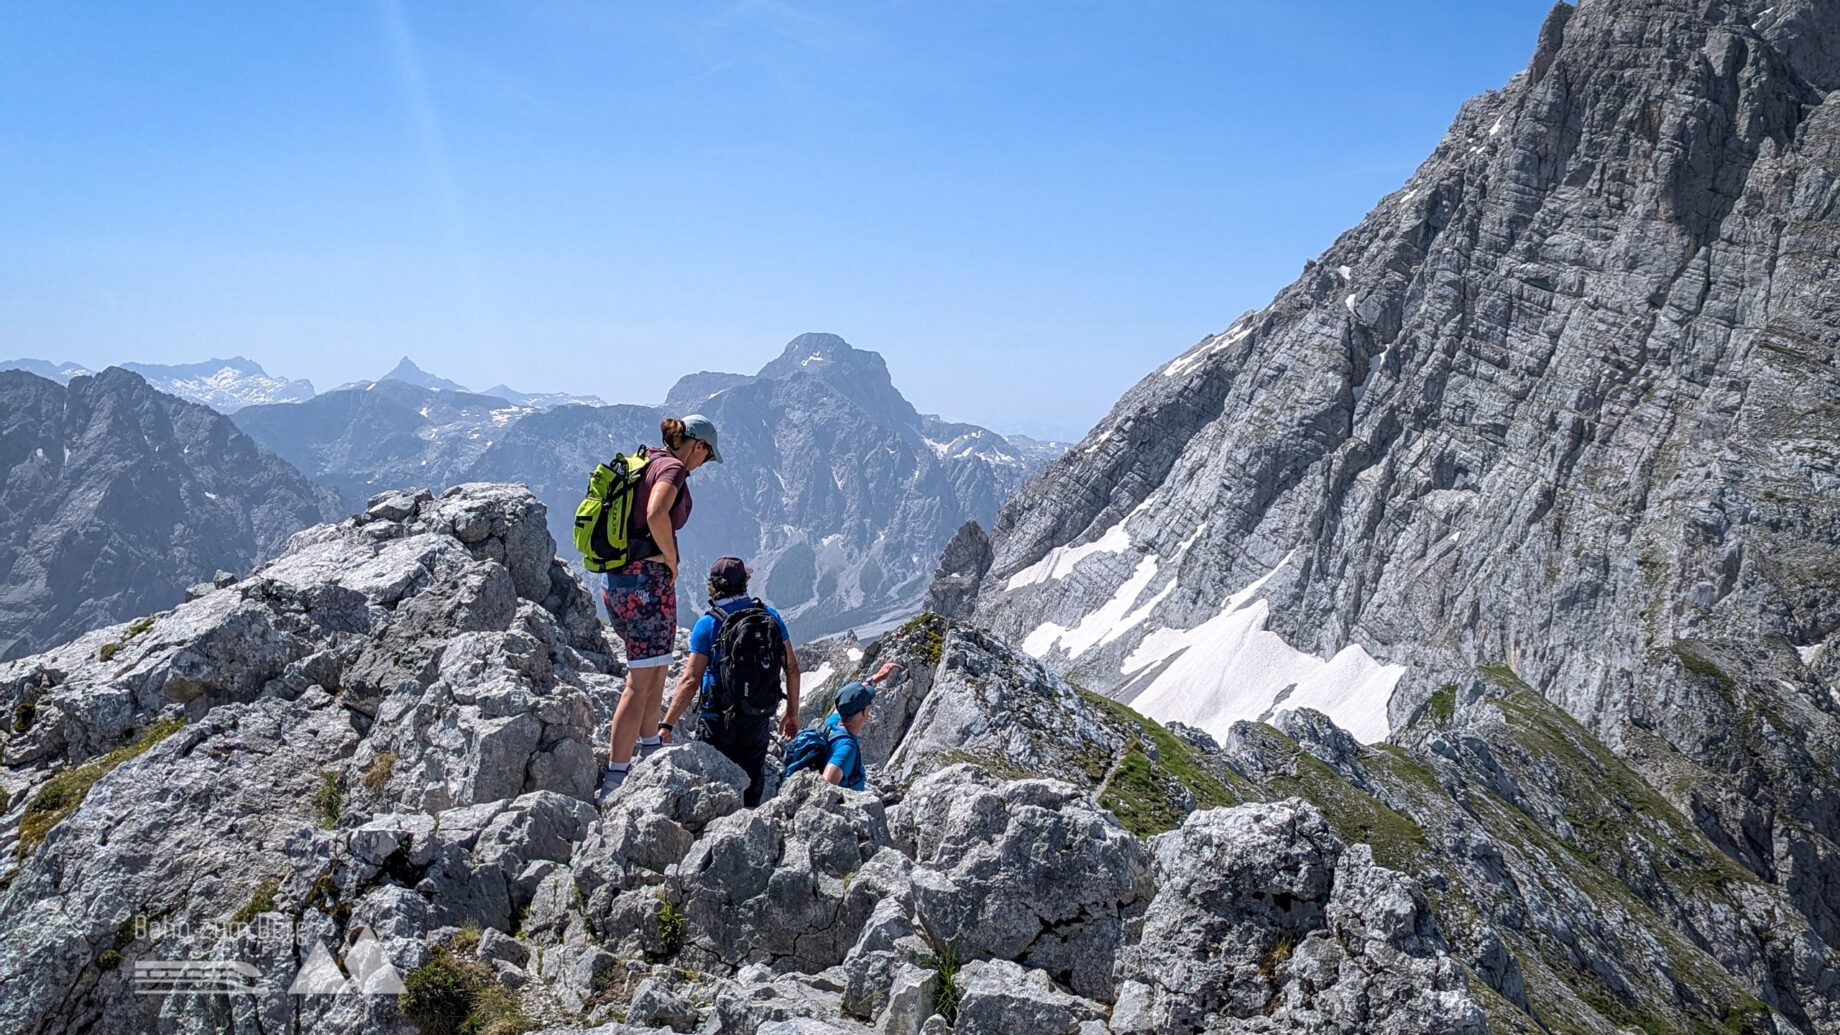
610, 781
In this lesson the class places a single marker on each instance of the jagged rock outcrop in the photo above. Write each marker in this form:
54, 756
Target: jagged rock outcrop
376, 749
1262, 922
116, 497
967, 558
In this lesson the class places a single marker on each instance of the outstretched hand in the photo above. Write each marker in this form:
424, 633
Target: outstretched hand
886, 670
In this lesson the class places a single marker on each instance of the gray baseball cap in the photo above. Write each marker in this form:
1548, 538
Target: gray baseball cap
703, 430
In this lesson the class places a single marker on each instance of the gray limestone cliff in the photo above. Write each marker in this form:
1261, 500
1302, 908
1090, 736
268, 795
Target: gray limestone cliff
115, 497
1558, 410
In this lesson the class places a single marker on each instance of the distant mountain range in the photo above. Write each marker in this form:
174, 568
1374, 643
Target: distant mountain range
225, 385
115, 496
228, 385
837, 490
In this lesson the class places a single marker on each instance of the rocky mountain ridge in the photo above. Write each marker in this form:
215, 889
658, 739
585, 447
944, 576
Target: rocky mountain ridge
1554, 405
115, 497
838, 493
379, 748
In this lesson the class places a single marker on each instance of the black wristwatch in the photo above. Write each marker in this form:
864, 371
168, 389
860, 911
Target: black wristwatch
667, 727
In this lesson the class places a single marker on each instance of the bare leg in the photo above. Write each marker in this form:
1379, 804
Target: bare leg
638, 710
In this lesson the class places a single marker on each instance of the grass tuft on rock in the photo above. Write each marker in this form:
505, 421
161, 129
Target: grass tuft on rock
943, 961
262, 900
377, 775
671, 926
449, 995
63, 793
329, 799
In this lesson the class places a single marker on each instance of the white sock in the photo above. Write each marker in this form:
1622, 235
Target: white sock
651, 741
618, 767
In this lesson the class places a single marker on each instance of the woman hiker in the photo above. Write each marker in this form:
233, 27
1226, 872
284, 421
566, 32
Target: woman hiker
641, 598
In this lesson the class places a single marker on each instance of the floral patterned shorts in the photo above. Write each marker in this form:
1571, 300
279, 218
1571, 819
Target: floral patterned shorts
641, 603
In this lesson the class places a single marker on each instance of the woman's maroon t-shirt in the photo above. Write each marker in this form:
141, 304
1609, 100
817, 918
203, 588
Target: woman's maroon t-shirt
663, 468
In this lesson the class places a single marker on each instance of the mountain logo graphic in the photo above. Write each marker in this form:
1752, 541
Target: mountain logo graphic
365, 960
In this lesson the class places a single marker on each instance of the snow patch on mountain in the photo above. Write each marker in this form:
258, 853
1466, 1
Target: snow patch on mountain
1063, 559
1231, 668
1183, 364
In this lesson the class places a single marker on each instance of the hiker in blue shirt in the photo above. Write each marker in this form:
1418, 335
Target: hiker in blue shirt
738, 653
834, 744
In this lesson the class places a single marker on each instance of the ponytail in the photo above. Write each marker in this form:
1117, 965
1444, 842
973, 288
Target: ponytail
671, 429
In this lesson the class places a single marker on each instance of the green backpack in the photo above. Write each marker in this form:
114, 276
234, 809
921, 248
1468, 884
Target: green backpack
602, 520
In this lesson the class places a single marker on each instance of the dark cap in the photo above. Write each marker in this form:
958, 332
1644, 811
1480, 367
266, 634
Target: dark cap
853, 698
732, 570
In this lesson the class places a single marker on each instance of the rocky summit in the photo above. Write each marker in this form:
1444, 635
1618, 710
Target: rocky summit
352, 792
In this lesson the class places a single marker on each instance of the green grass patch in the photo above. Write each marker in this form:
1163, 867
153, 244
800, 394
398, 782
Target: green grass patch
23, 714
449, 995
262, 900
672, 923
466, 939
943, 961
329, 798
63, 793
140, 625
107, 650
930, 629
1139, 798
110, 959
1442, 705
1703, 666
1505, 677
1139, 790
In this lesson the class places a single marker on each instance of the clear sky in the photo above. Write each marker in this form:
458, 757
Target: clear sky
1024, 206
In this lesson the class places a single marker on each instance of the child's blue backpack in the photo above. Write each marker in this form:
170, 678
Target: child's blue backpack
811, 748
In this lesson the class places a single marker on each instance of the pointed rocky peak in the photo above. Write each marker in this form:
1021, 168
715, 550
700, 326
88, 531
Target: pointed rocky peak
407, 372
860, 375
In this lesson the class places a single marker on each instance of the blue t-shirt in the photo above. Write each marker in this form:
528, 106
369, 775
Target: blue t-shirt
703, 638
845, 754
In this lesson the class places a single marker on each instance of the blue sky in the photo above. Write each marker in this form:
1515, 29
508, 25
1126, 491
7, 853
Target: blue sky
1024, 206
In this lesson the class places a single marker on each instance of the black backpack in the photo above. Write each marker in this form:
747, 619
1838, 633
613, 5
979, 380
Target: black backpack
750, 654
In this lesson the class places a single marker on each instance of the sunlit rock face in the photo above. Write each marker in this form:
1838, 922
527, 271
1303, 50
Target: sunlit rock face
1565, 397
